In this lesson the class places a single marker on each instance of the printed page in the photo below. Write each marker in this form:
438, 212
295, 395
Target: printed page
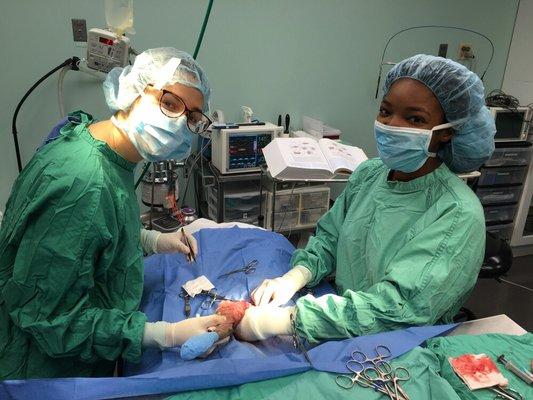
341, 157
305, 153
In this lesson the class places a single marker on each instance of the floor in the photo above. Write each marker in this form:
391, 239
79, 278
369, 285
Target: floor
491, 297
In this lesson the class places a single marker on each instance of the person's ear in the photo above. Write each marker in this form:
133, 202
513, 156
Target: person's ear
445, 135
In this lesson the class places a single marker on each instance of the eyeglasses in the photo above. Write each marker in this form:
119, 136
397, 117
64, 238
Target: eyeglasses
173, 107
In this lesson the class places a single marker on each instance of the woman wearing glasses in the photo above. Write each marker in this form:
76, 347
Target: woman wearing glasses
71, 248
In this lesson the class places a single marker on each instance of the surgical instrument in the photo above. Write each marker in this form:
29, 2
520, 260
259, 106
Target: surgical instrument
375, 373
211, 298
187, 302
190, 255
247, 269
506, 393
525, 376
347, 381
393, 376
382, 352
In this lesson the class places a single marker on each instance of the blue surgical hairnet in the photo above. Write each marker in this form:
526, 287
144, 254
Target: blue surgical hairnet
159, 67
461, 95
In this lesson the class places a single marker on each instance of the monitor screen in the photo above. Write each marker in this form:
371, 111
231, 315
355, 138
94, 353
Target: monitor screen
509, 124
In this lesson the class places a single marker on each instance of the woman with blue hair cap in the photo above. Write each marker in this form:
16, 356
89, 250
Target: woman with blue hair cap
71, 246
406, 238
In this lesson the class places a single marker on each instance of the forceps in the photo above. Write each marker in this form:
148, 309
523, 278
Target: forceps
384, 374
382, 352
247, 269
349, 381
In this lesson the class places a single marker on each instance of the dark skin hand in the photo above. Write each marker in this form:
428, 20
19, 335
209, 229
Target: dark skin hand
411, 104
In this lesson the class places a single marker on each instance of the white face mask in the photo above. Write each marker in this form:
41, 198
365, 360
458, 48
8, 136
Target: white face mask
402, 148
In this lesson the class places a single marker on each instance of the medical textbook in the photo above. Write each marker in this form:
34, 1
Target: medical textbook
306, 158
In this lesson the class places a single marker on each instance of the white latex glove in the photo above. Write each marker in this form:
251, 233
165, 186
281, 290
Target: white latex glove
279, 291
168, 334
176, 242
260, 323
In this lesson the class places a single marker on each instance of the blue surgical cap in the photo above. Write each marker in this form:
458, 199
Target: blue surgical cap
461, 95
158, 67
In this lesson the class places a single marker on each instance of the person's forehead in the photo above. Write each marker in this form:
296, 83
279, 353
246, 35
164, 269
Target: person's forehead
192, 96
412, 93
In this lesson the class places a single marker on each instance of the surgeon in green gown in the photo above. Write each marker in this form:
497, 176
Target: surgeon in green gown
71, 244
406, 238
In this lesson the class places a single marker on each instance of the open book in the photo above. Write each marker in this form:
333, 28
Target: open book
306, 158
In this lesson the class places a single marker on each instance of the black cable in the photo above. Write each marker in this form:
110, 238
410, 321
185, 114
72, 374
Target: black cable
498, 98
73, 62
286, 211
143, 172
192, 166
433, 26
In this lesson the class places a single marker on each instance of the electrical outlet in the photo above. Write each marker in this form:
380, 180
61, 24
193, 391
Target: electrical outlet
443, 50
79, 30
466, 52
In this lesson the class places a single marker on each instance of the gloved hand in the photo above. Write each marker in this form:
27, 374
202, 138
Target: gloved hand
279, 291
176, 242
154, 242
167, 334
260, 323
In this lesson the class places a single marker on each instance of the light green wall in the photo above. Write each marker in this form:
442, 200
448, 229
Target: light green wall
305, 57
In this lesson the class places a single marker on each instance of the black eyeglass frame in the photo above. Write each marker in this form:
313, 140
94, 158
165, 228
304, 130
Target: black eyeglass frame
186, 111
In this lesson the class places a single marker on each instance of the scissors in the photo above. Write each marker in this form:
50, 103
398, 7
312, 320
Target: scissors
247, 269
349, 381
382, 352
384, 374
376, 373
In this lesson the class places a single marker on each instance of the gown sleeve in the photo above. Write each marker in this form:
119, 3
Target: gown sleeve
430, 275
320, 253
51, 293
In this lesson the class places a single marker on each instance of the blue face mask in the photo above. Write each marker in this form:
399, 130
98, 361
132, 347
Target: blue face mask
404, 149
156, 136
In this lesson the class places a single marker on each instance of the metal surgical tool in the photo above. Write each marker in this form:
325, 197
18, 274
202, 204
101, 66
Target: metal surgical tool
247, 269
375, 373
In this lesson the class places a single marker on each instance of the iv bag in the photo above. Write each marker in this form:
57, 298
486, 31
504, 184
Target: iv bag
119, 16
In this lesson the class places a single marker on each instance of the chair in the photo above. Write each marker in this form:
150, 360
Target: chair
497, 262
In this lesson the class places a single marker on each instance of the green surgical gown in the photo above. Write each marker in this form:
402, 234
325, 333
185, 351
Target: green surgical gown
71, 265
404, 253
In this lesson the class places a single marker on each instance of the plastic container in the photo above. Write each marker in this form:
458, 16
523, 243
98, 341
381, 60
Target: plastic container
499, 195
299, 198
500, 214
317, 199
503, 231
502, 176
238, 205
119, 16
231, 215
509, 156
310, 217
283, 221
286, 202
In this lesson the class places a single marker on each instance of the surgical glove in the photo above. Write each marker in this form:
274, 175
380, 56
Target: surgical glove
176, 242
168, 334
260, 323
279, 291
